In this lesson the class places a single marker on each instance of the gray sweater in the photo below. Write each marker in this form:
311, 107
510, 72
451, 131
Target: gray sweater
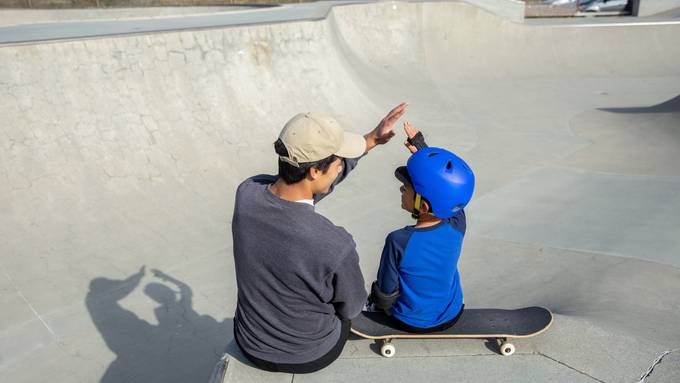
297, 274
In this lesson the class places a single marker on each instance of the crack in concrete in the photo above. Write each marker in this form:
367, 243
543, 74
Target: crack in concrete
570, 367
646, 374
30, 306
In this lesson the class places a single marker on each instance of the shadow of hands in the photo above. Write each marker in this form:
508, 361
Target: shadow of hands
182, 347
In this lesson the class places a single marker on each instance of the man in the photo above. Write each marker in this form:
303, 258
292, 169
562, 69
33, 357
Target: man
298, 276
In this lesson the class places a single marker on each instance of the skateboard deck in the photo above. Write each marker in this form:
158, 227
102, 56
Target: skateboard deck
473, 324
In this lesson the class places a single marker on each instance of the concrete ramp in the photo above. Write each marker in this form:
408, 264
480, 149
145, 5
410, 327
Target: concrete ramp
119, 159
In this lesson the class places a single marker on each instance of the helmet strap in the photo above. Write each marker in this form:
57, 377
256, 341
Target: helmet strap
416, 206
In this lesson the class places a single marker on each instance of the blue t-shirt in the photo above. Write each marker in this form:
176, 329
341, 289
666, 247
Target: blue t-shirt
423, 265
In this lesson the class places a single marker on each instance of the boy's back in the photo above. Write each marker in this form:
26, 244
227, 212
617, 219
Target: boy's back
418, 281
422, 264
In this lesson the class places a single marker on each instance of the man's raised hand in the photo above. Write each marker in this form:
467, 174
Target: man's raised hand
385, 129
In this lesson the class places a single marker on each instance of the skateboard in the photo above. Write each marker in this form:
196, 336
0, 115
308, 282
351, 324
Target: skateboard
496, 324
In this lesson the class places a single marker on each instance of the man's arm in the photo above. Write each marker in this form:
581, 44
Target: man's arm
115, 289
349, 295
382, 134
348, 164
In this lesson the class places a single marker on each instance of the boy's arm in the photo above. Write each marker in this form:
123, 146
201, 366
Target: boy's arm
415, 139
459, 222
385, 290
186, 295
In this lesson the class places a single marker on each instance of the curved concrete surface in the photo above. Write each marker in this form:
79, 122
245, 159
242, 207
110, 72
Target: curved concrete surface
53, 31
12, 17
121, 155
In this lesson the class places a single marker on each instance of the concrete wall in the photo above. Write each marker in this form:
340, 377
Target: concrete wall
129, 3
508, 9
650, 7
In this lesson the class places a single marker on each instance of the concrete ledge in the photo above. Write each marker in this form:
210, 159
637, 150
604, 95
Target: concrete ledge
537, 8
647, 7
434, 369
509, 9
62, 4
15, 17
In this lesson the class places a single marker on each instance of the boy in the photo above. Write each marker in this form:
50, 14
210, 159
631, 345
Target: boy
418, 282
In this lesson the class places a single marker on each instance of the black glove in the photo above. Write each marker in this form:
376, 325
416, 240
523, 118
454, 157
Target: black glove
418, 141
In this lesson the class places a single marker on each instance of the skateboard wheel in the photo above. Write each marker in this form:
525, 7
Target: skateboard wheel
507, 349
387, 350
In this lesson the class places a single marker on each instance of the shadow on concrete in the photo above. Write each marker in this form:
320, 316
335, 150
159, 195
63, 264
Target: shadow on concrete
183, 347
670, 106
375, 347
491, 344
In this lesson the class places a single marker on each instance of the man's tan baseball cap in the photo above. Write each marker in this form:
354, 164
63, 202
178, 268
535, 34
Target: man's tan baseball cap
311, 137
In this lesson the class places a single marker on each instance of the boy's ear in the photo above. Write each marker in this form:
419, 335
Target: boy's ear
424, 207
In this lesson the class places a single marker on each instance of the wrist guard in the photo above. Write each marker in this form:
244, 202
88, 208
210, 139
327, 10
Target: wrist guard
418, 141
381, 300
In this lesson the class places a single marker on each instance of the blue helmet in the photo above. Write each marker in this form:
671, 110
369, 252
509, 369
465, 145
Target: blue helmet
442, 178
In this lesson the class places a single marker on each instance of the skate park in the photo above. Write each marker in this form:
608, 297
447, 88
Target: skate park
122, 150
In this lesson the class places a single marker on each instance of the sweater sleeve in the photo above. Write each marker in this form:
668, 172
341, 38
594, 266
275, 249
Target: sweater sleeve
348, 164
458, 222
388, 271
349, 293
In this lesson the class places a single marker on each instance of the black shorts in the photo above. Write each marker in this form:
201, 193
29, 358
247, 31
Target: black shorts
396, 323
304, 368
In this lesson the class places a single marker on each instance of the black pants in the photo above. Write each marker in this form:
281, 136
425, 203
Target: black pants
396, 323
303, 368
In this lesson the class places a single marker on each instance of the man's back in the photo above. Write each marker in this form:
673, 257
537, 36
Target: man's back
297, 273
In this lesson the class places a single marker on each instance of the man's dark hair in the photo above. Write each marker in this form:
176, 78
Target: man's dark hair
290, 174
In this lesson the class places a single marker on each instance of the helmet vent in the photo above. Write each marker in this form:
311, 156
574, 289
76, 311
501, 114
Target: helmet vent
432, 154
449, 165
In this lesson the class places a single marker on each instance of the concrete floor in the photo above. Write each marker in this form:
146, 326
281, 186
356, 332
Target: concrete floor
120, 157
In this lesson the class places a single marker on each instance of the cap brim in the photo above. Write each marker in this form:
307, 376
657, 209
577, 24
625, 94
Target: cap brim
353, 146
402, 175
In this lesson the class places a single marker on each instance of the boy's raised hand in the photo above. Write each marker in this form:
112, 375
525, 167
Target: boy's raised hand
411, 132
